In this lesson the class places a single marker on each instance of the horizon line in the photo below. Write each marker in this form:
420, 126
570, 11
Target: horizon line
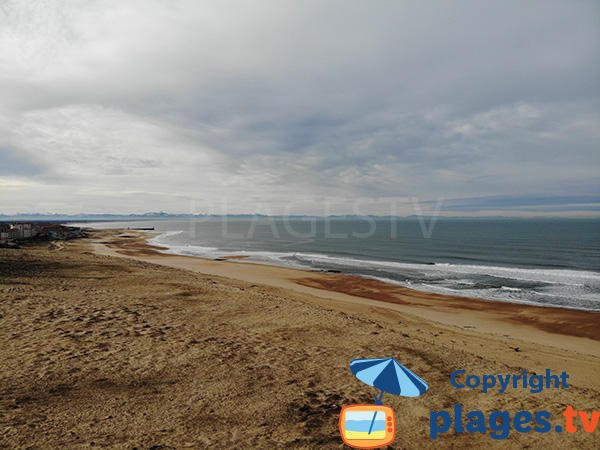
163, 215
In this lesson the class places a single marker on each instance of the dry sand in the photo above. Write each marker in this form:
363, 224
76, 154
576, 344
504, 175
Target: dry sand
157, 351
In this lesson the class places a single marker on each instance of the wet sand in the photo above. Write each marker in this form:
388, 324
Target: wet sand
154, 351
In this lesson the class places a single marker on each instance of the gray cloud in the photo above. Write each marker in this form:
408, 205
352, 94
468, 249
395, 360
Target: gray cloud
15, 164
144, 105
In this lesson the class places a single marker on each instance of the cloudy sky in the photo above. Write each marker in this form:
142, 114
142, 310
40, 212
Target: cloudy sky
132, 106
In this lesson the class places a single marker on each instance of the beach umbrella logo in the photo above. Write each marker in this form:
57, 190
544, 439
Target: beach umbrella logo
374, 426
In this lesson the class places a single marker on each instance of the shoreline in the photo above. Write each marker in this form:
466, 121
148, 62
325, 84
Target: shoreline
570, 329
441, 291
108, 343
527, 281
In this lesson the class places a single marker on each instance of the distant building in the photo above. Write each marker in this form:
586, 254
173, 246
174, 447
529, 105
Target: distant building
25, 229
10, 233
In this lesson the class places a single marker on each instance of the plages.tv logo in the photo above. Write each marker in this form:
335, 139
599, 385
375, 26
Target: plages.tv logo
374, 426
500, 423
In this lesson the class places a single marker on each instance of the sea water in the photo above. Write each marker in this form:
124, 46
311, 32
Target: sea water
551, 262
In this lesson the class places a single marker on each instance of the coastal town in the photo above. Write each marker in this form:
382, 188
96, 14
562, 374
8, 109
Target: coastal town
12, 234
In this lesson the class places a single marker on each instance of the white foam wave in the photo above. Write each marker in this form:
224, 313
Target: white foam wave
161, 237
191, 250
200, 251
550, 276
562, 276
555, 287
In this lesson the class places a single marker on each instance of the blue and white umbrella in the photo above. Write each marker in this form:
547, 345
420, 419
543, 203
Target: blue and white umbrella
388, 375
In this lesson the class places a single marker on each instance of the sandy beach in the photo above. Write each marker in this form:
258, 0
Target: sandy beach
108, 343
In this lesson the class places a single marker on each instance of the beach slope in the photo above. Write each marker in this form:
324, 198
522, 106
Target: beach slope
124, 353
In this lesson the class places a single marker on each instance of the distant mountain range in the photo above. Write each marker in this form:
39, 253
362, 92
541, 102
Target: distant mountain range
90, 217
53, 217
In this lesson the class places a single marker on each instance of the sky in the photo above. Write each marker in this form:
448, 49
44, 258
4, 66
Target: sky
462, 108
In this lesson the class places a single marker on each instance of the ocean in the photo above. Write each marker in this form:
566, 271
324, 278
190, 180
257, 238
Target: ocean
548, 262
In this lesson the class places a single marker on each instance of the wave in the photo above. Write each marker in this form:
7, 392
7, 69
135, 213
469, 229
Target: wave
590, 302
550, 276
205, 251
522, 273
550, 287
161, 237
189, 250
